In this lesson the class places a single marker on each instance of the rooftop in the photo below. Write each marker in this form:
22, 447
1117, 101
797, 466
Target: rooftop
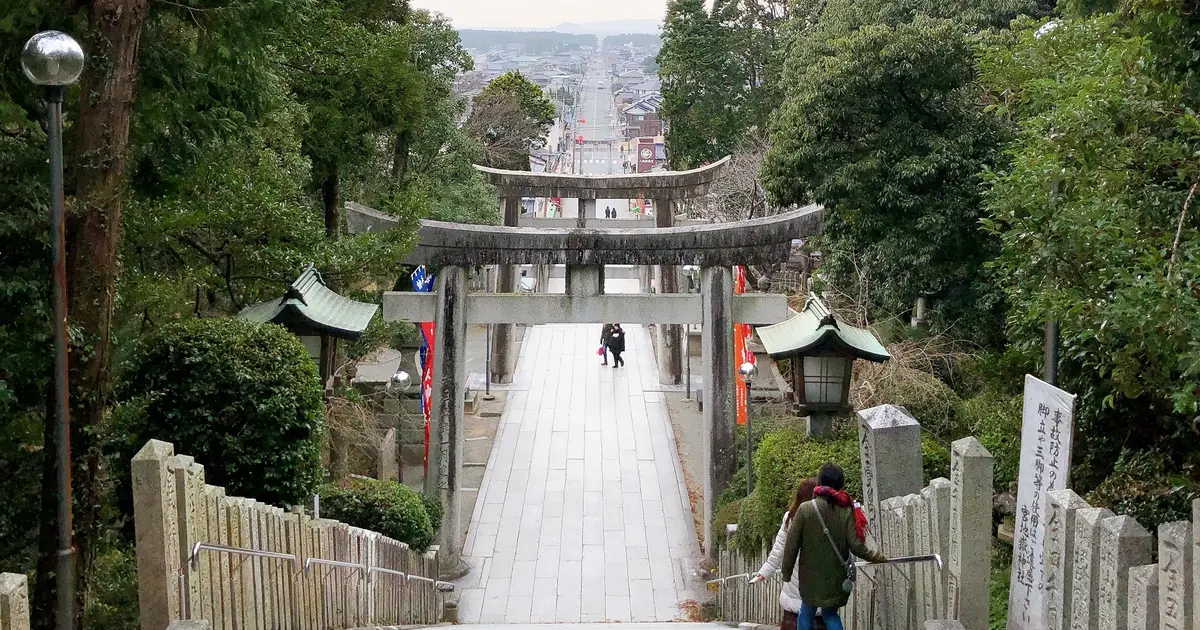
816, 329
308, 306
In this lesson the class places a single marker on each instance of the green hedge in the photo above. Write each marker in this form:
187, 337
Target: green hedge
243, 398
995, 420
784, 458
387, 507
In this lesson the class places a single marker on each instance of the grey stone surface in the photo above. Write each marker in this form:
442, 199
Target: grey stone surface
388, 461
1084, 592
971, 469
1175, 549
583, 512
446, 416
763, 241
601, 223
1061, 506
890, 451
1143, 597
1123, 544
943, 624
669, 185
717, 398
1195, 554
669, 337
14, 601
938, 492
532, 309
154, 506
506, 282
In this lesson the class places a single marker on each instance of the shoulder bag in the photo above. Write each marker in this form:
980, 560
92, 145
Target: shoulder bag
847, 560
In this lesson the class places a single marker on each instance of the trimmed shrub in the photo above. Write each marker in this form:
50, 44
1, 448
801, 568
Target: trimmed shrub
927, 398
390, 508
782, 460
243, 398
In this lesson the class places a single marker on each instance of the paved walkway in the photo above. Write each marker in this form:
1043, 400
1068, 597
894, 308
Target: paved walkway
583, 514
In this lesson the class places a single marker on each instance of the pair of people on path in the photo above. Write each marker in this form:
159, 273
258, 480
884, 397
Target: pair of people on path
610, 213
820, 530
612, 339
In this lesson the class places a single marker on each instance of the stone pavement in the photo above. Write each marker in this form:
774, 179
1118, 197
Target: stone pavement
583, 514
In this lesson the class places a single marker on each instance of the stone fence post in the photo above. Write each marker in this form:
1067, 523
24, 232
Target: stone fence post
971, 469
156, 527
889, 441
14, 602
1124, 544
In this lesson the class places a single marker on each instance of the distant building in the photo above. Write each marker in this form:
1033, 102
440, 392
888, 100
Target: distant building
642, 117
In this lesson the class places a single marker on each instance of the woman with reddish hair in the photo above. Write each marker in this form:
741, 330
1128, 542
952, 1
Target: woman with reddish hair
789, 596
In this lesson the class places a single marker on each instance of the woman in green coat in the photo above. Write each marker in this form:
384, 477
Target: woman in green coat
817, 560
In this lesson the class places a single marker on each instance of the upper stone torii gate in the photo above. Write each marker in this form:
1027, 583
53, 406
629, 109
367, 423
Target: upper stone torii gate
451, 248
660, 188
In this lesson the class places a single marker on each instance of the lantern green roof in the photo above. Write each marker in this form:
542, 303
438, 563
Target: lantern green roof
308, 306
816, 329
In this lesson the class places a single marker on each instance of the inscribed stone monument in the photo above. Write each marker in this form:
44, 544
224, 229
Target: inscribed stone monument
971, 469
890, 449
1175, 575
1061, 506
1143, 597
1084, 578
1047, 427
1123, 544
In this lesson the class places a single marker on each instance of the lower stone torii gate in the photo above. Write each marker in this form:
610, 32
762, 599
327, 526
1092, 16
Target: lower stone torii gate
451, 248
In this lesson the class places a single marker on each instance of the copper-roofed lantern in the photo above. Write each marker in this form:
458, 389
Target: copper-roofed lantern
310, 310
822, 351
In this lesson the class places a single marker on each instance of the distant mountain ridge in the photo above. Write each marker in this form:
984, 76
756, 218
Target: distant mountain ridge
611, 27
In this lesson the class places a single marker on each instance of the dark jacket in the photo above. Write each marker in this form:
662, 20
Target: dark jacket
606, 333
616, 340
820, 572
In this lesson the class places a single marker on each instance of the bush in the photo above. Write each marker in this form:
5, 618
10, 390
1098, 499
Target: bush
995, 420
387, 507
782, 460
927, 398
935, 458
112, 597
243, 398
1142, 485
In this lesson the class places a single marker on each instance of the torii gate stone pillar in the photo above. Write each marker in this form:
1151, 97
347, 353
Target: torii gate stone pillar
446, 414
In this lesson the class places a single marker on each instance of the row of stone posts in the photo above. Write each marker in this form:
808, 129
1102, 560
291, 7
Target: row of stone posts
239, 564
947, 517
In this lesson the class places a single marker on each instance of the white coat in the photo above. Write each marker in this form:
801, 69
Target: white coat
789, 597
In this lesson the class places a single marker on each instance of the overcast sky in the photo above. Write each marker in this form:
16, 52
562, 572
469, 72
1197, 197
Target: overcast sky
541, 13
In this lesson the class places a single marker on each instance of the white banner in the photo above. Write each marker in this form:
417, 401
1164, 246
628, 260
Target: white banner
1047, 427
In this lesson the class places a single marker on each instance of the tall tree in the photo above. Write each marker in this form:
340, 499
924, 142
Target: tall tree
508, 118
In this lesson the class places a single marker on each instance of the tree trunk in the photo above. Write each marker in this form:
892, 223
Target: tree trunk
331, 192
400, 157
93, 240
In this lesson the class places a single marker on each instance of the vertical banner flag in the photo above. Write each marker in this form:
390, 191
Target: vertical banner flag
423, 283
741, 348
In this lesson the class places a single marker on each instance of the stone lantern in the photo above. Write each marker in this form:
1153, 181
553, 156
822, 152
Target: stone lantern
822, 351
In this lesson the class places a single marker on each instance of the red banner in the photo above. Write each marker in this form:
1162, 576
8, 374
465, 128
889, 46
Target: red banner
742, 334
427, 328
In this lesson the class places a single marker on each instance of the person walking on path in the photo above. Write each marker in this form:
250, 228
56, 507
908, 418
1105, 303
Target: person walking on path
821, 538
789, 595
605, 335
616, 343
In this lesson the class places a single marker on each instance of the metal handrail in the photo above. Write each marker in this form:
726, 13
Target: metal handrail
933, 557
308, 562
198, 547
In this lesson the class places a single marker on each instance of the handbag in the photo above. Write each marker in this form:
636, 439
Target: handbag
600, 351
847, 561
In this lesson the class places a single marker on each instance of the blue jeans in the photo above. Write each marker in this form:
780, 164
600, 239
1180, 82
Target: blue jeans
804, 620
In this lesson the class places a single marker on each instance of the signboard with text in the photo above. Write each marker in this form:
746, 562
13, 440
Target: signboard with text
645, 156
1047, 429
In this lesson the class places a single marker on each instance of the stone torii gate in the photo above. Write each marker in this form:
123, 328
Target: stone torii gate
661, 188
451, 248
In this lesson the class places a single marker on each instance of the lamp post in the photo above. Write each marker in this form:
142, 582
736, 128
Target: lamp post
748, 371
53, 59
402, 382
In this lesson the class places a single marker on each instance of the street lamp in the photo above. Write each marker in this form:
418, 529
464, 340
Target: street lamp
748, 371
401, 380
53, 59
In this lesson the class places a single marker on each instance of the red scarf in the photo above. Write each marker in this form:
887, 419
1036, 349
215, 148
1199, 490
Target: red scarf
841, 498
